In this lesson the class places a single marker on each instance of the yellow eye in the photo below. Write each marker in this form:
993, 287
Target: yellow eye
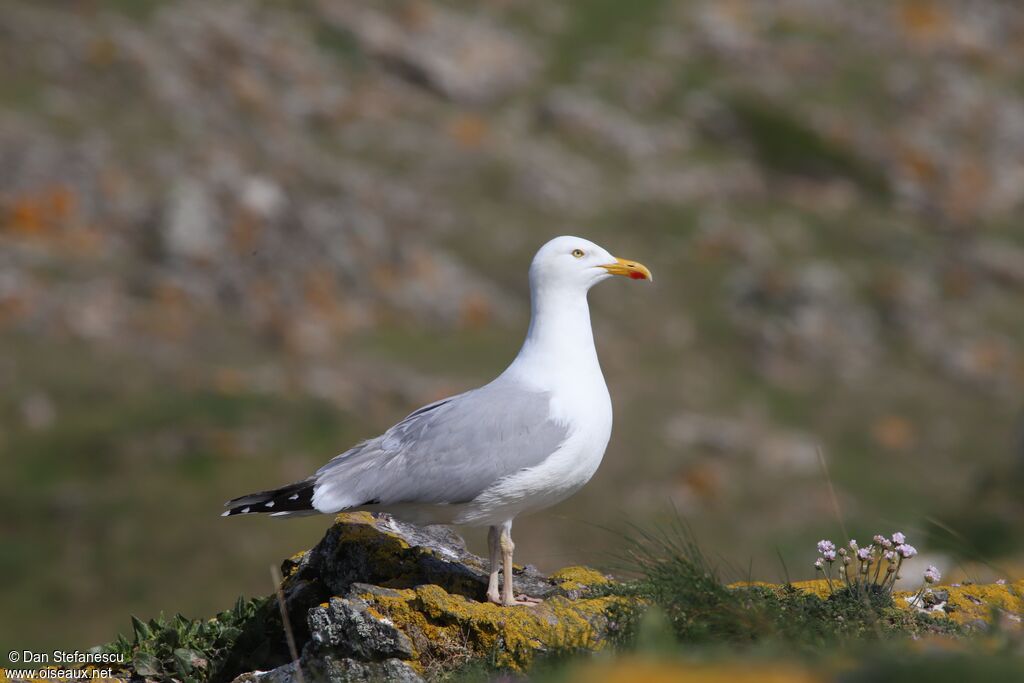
578, 253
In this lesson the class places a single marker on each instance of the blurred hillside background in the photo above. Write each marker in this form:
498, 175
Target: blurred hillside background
237, 237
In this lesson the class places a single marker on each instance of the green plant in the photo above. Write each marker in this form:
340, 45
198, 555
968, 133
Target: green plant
676, 577
182, 649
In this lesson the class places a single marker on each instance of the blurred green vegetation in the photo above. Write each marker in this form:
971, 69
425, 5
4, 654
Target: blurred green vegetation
126, 486
784, 143
601, 26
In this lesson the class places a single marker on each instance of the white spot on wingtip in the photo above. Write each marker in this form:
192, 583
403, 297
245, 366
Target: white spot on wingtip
295, 497
269, 504
245, 511
226, 513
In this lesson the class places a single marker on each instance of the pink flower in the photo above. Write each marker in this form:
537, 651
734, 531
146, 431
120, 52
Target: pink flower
898, 538
932, 574
825, 546
906, 551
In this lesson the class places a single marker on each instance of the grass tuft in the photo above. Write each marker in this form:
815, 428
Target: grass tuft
699, 608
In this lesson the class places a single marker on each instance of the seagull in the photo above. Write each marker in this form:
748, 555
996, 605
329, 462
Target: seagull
525, 441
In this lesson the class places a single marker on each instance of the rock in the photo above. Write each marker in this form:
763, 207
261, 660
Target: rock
380, 599
771, 448
576, 113
973, 606
1000, 260
38, 412
804, 318
346, 627
262, 197
384, 551
452, 628
931, 602
466, 59
191, 226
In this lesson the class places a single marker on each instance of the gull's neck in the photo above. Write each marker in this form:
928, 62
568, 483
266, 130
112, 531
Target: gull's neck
559, 342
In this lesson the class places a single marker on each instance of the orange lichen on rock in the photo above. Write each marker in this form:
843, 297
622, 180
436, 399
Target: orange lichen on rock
42, 212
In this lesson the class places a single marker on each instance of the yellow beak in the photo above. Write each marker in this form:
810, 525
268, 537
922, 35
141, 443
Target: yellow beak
630, 269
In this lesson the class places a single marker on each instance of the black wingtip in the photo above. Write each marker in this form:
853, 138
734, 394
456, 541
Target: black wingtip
296, 497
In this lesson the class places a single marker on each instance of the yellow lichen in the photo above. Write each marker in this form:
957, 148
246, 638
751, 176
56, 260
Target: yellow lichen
970, 603
389, 553
292, 564
576, 578
979, 602
818, 587
355, 518
447, 627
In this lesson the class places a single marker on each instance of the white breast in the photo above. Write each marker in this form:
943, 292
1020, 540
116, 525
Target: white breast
586, 408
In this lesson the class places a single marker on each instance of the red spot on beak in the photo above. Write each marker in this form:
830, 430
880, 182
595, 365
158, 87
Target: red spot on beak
637, 275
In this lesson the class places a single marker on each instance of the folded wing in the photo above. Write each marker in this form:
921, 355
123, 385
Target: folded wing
447, 452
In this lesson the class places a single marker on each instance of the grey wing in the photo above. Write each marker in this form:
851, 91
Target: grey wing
447, 452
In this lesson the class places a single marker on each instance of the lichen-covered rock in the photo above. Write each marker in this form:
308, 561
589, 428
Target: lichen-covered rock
383, 551
970, 604
975, 605
379, 599
345, 627
451, 628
